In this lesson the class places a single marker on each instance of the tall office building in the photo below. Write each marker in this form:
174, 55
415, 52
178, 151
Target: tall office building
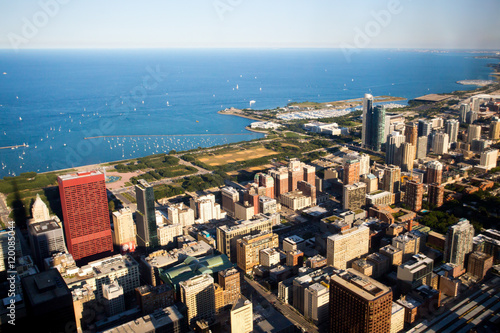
495, 129
230, 196
85, 212
316, 298
354, 196
422, 146
464, 109
147, 236
359, 304
394, 123
351, 172
364, 161
488, 159
280, 177
440, 143
411, 133
266, 181
309, 174
248, 248
473, 133
475, 102
451, 128
242, 316
367, 119
46, 238
436, 194
198, 294
39, 210
391, 181
229, 280
393, 148
124, 235
434, 172
471, 117
295, 173
113, 298
180, 214
6, 246
378, 127
343, 248
415, 272
408, 154
205, 208
414, 194
424, 127
458, 242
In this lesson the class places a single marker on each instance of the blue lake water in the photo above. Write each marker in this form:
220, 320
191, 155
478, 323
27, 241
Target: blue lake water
52, 99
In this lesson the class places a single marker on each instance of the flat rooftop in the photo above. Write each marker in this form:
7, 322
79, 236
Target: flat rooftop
44, 226
294, 239
362, 285
164, 258
433, 98
80, 175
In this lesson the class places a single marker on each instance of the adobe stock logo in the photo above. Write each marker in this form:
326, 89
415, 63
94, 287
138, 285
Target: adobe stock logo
224, 6
40, 19
372, 29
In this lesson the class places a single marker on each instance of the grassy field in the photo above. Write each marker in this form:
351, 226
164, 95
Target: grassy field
235, 155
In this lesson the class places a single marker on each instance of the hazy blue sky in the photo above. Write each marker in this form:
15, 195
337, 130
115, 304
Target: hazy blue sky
249, 23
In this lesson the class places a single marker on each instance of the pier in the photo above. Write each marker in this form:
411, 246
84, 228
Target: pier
158, 135
14, 147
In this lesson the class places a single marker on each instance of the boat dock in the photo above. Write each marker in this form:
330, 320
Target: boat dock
14, 147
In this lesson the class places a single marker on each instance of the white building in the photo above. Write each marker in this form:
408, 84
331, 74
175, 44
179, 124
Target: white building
316, 303
168, 233
242, 316
293, 243
440, 144
489, 159
364, 161
205, 208
265, 125
180, 214
39, 211
345, 247
397, 318
198, 294
269, 257
113, 299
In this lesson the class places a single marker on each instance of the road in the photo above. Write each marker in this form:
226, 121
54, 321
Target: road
288, 311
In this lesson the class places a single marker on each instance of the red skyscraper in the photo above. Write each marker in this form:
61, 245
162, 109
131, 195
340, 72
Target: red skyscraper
85, 212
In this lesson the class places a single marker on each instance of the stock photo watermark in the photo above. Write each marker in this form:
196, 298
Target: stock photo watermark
40, 19
11, 273
381, 19
222, 7
136, 95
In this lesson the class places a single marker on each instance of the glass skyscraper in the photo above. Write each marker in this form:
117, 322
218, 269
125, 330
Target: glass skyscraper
147, 235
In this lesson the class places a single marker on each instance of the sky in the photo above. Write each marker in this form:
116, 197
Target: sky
443, 24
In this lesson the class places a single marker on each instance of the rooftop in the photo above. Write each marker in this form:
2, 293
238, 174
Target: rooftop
150, 323
100, 267
44, 226
45, 287
361, 284
294, 239
80, 175
164, 258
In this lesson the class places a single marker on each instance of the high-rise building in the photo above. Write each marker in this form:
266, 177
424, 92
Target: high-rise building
475, 102
49, 303
394, 123
464, 109
316, 298
124, 235
489, 159
440, 143
409, 243
393, 148
451, 128
424, 127
378, 127
198, 294
147, 236
308, 190
230, 196
495, 129
436, 194
411, 133
371, 182
473, 133
391, 180
227, 236
364, 161
180, 214
434, 172
354, 196
85, 212
458, 242
367, 120
422, 146
205, 208
359, 304
265, 181
309, 174
415, 272
295, 173
479, 264
397, 318
113, 299
280, 177
229, 280
46, 238
168, 233
414, 194
248, 248
471, 117
151, 298
39, 210
347, 246
351, 172
408, 154
242, 316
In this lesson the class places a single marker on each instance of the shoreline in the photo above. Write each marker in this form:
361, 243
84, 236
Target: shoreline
236, 113
248, 128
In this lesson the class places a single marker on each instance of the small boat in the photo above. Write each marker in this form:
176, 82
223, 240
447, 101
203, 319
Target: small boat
197, 121
20, 119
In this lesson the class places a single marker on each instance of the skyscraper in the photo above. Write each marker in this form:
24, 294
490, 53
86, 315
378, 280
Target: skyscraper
411, 133
495, 129
378, 127
364, 161
280, 177
85, 212
451, 128
367, 120
436, 193
147, 236
242, 316
434, 172
198, 294
408, 152
471, 117
39, 210
393, 148
391, 180
351, 172
440, 144
414, 194
359, 304
489, 159
46, 238
424, 127
124, 230
473, 133
464, 108
343, 248
230, 196
458, 242
354, 196
422, 146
